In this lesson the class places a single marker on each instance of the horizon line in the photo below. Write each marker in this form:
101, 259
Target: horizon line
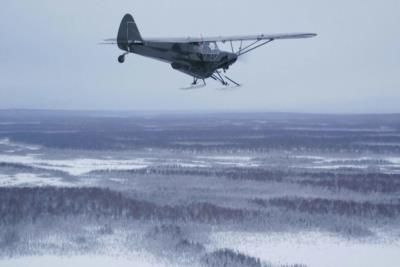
193, 111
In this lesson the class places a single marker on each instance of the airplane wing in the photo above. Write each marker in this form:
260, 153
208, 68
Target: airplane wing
223, 39
256, 41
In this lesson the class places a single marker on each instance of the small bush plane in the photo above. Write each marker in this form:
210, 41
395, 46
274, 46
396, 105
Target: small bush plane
199, 57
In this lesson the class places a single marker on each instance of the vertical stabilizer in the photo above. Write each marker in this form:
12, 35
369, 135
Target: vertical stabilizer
128, 33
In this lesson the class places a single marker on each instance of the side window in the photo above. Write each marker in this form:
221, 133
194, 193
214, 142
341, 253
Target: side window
213, 46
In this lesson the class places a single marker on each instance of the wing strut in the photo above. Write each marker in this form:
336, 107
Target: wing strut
252, 46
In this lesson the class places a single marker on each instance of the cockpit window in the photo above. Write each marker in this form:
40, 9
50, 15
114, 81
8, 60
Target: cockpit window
207, 47
213, 46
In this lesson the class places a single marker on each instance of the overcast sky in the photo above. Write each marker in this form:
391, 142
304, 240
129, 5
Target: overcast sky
50, 59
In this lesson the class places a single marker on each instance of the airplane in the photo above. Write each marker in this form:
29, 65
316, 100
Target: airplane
198, 57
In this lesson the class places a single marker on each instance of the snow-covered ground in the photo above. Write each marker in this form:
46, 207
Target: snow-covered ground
16, 147
75, 166
140, 260
30, 179
387, 164
313, 249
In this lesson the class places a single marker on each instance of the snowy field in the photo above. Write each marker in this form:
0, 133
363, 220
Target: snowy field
79, 189
312, 249
88, 260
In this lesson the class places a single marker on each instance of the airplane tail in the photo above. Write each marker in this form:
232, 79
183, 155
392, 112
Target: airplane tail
128, 33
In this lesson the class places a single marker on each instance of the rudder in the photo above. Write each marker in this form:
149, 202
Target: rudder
128, 32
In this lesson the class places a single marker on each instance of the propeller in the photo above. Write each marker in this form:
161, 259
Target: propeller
244, 58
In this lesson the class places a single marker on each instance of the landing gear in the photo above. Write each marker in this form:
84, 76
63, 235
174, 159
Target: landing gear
121, 58
227, 82
217, 76
194, 85
232, 81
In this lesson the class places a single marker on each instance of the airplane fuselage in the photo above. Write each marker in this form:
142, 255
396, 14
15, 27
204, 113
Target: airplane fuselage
198, 57
194, 59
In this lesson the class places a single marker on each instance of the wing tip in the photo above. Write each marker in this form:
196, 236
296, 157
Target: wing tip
311, 35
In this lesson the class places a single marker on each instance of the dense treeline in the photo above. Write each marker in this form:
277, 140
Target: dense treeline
228, 257
335, 180
212, 132
4, 166
257, 174
360, 182
19, 204
332, 206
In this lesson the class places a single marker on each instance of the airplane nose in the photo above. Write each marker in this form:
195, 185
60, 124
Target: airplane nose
233, 58
228, 60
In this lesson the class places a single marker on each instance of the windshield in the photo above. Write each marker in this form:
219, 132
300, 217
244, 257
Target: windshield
208, 47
